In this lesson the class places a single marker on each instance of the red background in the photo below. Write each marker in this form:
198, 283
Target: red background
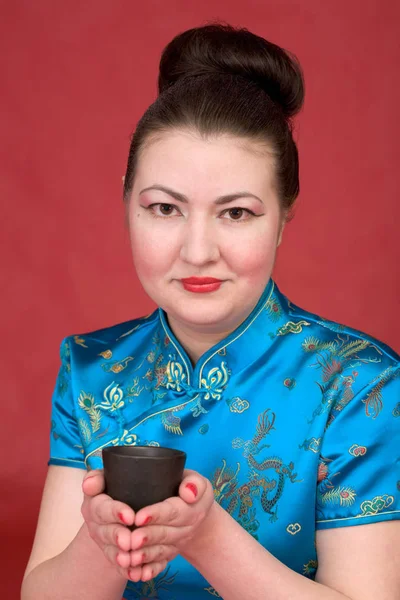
75, 78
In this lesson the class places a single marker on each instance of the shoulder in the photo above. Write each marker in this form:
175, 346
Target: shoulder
339, 350
326, 329
112, 340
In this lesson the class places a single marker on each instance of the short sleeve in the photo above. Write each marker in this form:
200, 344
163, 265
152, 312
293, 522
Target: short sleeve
65, 442
359, 468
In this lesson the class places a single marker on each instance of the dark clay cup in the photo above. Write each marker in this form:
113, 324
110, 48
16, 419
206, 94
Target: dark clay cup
142, 475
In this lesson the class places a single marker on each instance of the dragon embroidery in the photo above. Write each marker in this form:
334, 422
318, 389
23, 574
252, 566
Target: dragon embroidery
266, 480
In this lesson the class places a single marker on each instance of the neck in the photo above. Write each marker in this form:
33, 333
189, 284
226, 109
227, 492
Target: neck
195, 343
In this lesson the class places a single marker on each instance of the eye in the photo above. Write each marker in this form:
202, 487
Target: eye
238, 214
163, 210
166, 209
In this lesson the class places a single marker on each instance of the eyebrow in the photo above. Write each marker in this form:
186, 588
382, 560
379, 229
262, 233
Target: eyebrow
182, 198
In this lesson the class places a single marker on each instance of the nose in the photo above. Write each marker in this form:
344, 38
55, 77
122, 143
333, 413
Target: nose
199, 244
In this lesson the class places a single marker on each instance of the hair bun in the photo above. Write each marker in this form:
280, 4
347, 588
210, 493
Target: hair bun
223, 49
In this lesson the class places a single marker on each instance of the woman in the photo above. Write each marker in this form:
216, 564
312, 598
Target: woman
290, 422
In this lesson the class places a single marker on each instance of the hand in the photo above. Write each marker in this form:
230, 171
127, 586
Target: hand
164, 529
106, 520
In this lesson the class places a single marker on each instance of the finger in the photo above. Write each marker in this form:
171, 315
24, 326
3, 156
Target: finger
93, 483
152, 570
117, 557
104, 510
114, 535
151, 554
192, 488
172, 511
135, 574
158, 535
123, 572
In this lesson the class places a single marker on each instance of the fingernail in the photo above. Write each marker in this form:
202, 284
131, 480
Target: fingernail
148, 520
121, 518
144, 541
193, 488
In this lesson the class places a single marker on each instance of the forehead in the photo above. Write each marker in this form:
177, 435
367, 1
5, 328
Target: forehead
220, 164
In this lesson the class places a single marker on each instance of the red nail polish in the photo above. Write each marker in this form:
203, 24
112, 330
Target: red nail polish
193, 488
121, 518
148, 520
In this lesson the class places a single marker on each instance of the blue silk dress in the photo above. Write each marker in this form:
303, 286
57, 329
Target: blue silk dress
294, 419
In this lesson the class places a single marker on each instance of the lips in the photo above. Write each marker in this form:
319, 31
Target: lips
200, 280
201, 285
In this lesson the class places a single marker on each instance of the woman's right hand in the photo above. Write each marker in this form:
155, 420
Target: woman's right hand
106, 520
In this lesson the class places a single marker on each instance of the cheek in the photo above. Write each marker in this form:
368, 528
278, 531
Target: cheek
253, 257
152, 253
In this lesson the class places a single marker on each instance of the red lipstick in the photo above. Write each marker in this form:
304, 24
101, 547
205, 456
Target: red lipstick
201, 285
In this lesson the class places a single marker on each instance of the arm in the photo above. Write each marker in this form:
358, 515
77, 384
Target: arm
355, 563
65, 563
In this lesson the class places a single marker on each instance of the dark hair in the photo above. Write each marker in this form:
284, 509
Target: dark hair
218, 79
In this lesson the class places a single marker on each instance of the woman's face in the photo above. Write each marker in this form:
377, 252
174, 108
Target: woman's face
217, 216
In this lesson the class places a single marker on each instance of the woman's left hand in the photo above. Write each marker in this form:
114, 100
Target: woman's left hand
165, 528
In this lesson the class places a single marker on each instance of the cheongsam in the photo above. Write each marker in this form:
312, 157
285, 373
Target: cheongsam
294, 419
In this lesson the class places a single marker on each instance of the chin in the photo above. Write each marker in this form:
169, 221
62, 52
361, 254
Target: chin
214, 319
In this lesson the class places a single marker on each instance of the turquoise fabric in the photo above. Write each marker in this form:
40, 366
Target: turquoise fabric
294, 419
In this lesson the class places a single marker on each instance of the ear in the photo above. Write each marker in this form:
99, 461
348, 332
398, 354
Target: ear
281, 232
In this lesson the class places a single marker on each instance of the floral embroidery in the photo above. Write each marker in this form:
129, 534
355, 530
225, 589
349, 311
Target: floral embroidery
117, 366
64, 375
134, 390
273, 308
293, 528
80, 341
310, 568
215, 382
175, 376
85, 432
171, 422
374, 402
291, 327
53, 430
312, 444
87, 403
328, 493
345, 496
356, 450
378, 504
336, 386
126, 439
113, 398
238, 405
290, 383
396, 410
313, 344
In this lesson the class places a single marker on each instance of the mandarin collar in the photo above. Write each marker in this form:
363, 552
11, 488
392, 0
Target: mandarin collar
247, 344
